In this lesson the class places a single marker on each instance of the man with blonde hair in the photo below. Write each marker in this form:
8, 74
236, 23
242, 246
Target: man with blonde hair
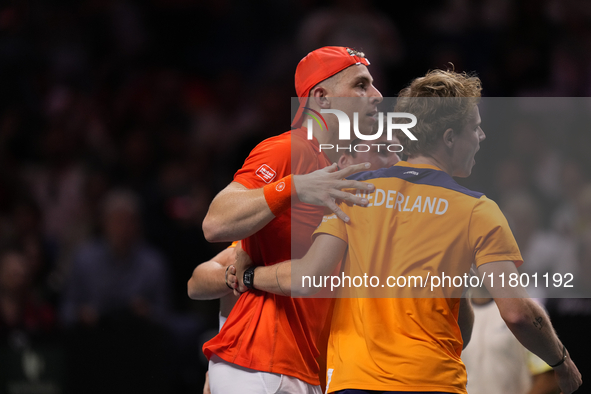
419, 222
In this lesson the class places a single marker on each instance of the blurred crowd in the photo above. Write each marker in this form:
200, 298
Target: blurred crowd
121, 120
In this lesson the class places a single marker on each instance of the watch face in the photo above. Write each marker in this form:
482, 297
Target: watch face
248, 275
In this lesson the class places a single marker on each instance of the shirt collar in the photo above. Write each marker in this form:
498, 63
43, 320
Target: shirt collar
403, 163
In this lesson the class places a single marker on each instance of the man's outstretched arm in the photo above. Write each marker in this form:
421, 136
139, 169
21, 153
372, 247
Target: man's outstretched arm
238, 212
531, 325
321, 259
208, 281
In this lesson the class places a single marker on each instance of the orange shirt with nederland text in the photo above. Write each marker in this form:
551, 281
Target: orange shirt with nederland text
264, 331
419, 222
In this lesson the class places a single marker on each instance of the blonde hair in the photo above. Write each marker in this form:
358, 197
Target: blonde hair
440, 100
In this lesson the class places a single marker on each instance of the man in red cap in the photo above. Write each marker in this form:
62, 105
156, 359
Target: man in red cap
269, 343
206, 281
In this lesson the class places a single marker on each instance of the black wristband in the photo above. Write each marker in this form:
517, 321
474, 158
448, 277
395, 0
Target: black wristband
563, 358
248, 278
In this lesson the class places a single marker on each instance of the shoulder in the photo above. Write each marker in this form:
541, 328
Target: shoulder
274, 152
290, 143
274, 145
485, 204
486, 214
268, 161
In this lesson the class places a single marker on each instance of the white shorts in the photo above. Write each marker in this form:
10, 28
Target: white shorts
227, 378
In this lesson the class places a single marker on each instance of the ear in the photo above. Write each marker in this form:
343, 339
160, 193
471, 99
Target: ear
344, 161
319, 95
449, 138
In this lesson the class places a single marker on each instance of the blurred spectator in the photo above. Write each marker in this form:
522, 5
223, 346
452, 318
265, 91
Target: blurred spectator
31, 353
27, 232
510, 178
117, 271
543, 251
116, 303
573, 216
174, 211
356, 25
57, 185
20, 308
584, 279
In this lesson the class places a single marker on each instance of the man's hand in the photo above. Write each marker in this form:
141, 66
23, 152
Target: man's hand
238, 212
323, 187
236, 271
568, 376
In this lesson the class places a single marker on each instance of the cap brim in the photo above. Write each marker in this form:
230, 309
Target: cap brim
298, 118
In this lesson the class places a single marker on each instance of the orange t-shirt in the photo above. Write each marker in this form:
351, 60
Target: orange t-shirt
264, 331
419, 221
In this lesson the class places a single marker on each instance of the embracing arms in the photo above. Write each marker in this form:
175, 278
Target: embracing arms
237, 212
321, 259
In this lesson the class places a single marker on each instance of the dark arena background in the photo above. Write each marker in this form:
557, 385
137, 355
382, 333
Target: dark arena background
121, 120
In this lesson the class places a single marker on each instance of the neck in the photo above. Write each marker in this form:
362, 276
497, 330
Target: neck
432, 160
332, 154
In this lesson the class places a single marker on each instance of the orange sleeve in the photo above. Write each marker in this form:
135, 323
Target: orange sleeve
490, 235
268, 162
332, 225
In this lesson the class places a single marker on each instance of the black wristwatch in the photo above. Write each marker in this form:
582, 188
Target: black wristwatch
248, 278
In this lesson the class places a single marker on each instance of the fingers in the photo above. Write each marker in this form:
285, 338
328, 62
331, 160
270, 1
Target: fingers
231, 279
348, 184
335, 208
240, 289
322, 187
237, 287
353, 169
331, 168
233, 282
351, 198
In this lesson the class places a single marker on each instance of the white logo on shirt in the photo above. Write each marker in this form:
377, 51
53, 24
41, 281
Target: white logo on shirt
266, 173
327, 218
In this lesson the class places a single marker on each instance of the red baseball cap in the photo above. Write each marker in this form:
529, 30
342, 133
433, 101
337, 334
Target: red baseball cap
319, 65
